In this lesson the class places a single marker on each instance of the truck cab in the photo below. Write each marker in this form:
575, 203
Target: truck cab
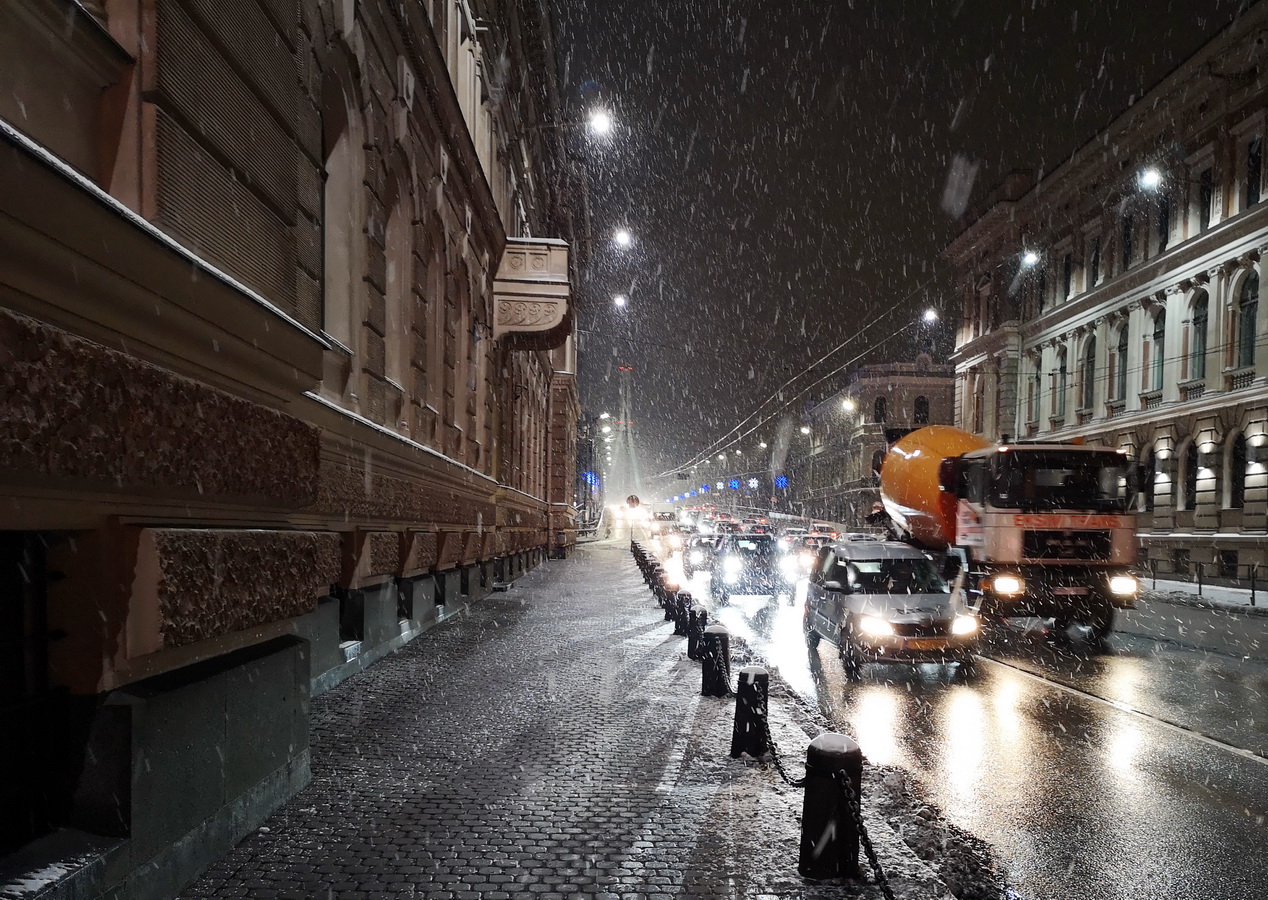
1047, 529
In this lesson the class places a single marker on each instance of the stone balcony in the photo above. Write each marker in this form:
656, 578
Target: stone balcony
531, 294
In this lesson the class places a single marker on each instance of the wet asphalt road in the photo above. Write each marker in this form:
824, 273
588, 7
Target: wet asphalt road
1126, 774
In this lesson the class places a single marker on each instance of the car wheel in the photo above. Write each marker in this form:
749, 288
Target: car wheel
850, 659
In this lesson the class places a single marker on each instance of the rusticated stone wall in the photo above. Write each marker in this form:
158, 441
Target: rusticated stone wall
75, 409
346, 493
213, 582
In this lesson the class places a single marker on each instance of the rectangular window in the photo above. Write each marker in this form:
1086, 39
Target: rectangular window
1254, 169
1128, 225
1206, 196
1164, 222
1067, 276
1094, 263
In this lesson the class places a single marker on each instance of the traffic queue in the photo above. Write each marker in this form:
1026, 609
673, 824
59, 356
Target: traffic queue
877, 601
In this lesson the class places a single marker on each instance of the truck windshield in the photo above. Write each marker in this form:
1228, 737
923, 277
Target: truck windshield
1062, 479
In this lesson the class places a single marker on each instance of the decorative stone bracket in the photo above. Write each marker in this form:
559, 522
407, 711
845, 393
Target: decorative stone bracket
531, 294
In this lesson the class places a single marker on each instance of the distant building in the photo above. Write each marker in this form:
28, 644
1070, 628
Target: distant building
1117, 300
287, 375
833, 471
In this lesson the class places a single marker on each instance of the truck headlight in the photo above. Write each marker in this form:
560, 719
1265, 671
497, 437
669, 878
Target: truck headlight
875, 627
732, 565
964, 625
1008, 585
789, 566
1124, 585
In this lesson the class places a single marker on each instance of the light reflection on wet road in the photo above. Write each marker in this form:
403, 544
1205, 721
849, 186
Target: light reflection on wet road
1081, 796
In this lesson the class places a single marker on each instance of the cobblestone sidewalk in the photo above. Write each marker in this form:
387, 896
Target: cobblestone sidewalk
552, 742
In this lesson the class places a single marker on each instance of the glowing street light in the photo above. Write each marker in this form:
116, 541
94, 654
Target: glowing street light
931, 315
1149, 179
606, 429
721, 457
805, 429
600, 121
761, 445
623, 238
848, 405
1030, 258
619, 301
605, 415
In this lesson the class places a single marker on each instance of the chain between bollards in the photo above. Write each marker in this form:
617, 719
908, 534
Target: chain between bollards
855, 806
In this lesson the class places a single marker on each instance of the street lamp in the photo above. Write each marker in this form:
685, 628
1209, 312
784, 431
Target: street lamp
604, 415
805, 429
622, 238
1030, 258
600, 121
931, 315
761, 445
1149, 179
619, 301
848, 405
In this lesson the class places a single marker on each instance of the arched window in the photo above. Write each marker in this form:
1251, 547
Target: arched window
1236, 470
1189, 477
1120, 362
1247, 312
921, 416
1089, 374
879, 410
1159, 341
398, 250
1060, 385
878, 459
342, 220
1197, 346
1148, 479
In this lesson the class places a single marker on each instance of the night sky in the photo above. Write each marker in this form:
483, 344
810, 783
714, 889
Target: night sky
783, 165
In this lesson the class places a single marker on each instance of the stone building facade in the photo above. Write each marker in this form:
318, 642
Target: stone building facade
1116, 300
286, 375
834, 476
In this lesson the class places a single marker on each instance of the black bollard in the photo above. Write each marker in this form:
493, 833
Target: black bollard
829, 837
715, 655
697, 621
748, 734
669, 596
682, 602
657, 584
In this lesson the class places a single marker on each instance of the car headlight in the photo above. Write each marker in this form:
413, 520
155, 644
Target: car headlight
732, 565
875, 627
964, 625
1124, 585
696, 556
788, 565
675, 542
807, 560
1008, 585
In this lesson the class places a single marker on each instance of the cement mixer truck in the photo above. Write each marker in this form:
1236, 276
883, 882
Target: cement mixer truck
1040, 529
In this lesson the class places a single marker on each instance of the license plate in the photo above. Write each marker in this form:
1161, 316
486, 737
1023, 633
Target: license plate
1070, 591
925, 644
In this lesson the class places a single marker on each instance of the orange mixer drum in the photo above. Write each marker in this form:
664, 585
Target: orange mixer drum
909, 482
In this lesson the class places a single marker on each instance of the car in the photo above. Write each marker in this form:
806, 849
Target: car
727, 528
670, 538
750, 564
806, 550
697, 555
883, 602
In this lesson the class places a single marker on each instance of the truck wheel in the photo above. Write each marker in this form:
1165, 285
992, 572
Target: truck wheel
1101, 624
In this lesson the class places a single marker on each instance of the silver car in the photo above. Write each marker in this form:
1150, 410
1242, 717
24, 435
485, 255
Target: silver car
882, 601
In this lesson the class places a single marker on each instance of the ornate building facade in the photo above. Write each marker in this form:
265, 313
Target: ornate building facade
288, 376
1116, 300
844, 438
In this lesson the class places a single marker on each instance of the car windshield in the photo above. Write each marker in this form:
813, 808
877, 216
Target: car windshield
753, 545
1062, 479
890, 576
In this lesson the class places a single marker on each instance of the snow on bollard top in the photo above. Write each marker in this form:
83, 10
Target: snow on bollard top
831, 742
716, 629
699, 608
750, 673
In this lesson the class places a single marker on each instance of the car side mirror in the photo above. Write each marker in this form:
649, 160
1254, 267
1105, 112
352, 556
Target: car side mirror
835, 586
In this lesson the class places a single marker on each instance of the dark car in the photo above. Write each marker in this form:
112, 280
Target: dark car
697, 555
750, 564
